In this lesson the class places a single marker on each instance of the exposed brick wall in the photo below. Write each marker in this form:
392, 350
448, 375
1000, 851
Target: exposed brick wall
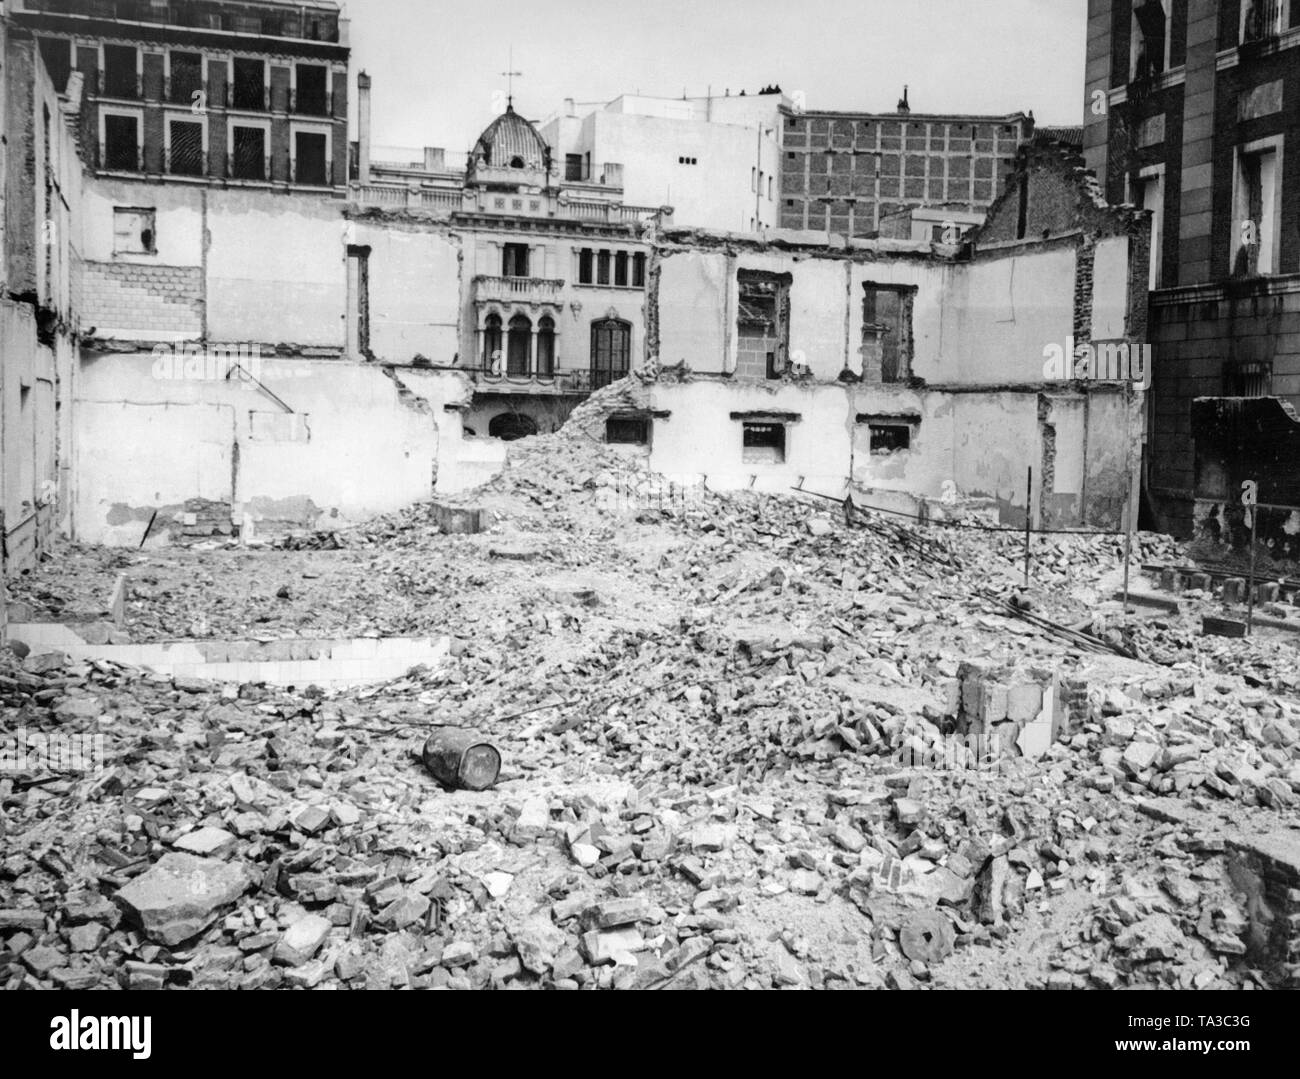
128, 296
1061, 196
22, 231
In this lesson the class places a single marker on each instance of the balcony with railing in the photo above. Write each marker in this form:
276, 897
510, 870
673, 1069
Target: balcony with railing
530, 290
248, 166
124, 85
410, 196
185, 160
310, 102
313, 171
308, 20
557, 383
118, 157
179, 89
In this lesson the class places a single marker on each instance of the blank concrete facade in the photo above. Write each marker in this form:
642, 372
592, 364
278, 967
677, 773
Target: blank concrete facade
714, 160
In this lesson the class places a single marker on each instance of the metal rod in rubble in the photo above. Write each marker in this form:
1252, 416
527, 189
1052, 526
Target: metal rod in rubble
1250, 584
1029, 494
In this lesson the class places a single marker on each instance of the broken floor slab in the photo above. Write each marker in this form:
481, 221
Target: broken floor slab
288, 662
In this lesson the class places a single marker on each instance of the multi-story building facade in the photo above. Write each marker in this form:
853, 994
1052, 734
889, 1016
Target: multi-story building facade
546, 275
843, 171
204, 91
1193, 112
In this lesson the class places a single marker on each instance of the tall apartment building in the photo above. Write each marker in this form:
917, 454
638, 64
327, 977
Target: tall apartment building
204, 91
843, 171
1193, 112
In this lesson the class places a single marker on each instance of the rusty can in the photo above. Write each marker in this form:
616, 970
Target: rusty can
457, 757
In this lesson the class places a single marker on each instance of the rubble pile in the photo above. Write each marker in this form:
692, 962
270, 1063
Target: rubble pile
743, 745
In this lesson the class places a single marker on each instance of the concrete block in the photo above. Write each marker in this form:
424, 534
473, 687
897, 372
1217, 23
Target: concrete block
1024, 702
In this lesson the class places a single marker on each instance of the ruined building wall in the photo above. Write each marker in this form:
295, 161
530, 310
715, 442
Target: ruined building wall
343, 442
40, 176
970, 408
218, 265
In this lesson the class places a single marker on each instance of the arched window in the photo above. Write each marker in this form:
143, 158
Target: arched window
546, 346
519, 345
516, 162
512, 425
492, 344
611, 347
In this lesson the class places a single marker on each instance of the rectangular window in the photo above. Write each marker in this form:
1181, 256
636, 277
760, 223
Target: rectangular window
627, 430
248, 156
310, 164
1262, 20
573, 167
620, 269
1255, 222
763, 443
638, 270
120, 75
514, 260
1149, 194
1149, 39
186, 78
248, 91
185, 156
762, 324
602, 267
889, 437
886, 333
310, 96
586, 273
57, 54
611, 351
121, 143
133, 231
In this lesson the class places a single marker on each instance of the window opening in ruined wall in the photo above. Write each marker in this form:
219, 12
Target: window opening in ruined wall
762, 324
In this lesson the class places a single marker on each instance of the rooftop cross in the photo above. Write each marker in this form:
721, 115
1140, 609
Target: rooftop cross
510, 74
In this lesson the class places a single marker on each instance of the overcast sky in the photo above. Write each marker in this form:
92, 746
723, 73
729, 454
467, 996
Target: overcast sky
436, 65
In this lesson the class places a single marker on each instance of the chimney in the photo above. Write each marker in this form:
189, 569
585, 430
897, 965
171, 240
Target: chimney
363, 127
903, 106
569, 110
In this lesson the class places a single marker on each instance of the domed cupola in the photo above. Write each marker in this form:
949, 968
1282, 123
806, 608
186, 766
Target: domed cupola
509, 150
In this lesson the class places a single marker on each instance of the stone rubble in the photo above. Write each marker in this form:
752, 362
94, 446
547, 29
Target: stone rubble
745, 746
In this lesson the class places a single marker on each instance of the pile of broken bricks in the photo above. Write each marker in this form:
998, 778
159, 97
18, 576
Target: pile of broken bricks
712, 784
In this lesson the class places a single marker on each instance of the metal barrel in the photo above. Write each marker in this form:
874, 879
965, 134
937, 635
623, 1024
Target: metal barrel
457, 757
